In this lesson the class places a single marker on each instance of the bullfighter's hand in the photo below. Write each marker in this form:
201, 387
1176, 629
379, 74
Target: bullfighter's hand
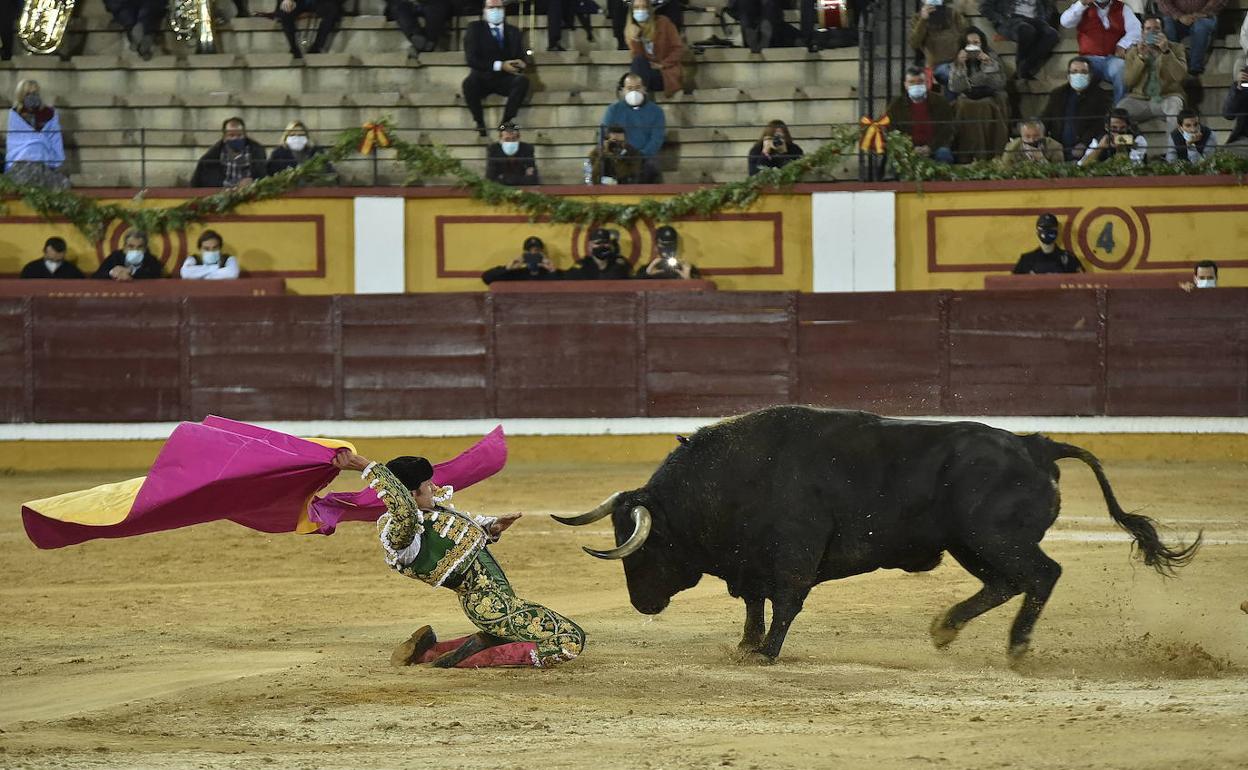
504, 521
346, 460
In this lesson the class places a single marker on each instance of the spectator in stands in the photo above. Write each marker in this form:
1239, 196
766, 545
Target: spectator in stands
288, 11
643, 121
294, 149
1121, 136
1075, 111
564, 13
1242, 59
233, 161
774, 149
1026, 22
603, 263
422, 22
1235, 108
619, 11
656, 49
210, 264
759, 21
140, 19
1032, 145
1198, 18
134, 262
1205, 274
667, 263
533, 264
615, 161
52, 264
1191, 141
1154, 75
34, 151
937, 32
495, 54
981, 108
928, 120
1104, 37
1048, 258
510, 161
8, 23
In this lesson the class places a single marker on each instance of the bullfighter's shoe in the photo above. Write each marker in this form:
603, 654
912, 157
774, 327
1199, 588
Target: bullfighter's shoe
411, 651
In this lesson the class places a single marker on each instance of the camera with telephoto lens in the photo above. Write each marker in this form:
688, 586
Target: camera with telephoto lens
532, 260
777, 140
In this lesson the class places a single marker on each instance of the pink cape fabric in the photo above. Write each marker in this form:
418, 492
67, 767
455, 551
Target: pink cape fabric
259, 478
507, 655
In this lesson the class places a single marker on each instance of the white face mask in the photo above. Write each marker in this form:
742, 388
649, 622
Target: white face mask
211, 257
495, 15
935, 3
296, 143
1206, 283
972, 48
634, 98
917, 92
134, 257
1188, 135
510, 148
641, 17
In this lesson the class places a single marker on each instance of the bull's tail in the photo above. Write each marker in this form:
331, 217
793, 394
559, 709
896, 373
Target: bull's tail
1161, 557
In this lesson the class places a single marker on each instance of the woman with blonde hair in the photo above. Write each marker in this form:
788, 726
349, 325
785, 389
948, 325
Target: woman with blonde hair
296, 148
656, 47
34, 151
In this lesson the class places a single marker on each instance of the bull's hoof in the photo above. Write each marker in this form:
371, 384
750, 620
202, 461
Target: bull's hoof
942, 634
1017, 654
756, 658
747, 646
410, 652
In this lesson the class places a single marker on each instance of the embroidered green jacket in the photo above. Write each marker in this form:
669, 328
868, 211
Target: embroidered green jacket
435, 546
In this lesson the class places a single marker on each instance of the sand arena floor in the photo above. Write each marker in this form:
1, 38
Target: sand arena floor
220, 647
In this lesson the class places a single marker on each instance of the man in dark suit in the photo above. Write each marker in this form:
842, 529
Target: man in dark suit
510, 161
1075, 111
52, 264
495, 54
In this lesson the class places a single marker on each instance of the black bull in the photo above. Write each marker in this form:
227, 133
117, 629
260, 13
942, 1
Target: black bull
776, 501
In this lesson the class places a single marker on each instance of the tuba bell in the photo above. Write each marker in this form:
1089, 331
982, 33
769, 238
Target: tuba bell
42, 24
192, 20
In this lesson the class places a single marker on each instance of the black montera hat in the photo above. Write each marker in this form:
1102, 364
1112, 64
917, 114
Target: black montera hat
1046, 220
665, 234
601, 234
411, 471
533, 242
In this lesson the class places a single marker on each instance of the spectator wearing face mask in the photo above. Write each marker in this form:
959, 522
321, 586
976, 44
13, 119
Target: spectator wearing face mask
294, 149
615, 161
510, 161
928, 120
643, 122
774, 149
533, 264
937, 32
1120, 137
603, 263
1205, 274
1032, 145
1026, 22
132, 262
1191, 141
34, 151
494, 51
667, 263
981, 107
1235, 108
52, 264
233, 161
1154, 75
656, 49
1198, 18
1107, 29
210, 264
1048, 258
1075, 111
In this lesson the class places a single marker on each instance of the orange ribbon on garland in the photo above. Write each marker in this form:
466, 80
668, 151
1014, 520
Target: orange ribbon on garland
374, 136
873, 134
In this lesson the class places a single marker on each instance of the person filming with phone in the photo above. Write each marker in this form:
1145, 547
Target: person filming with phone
667, 263
533, 264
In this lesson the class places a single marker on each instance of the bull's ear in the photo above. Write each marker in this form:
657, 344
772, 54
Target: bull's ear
603, 510
641, 530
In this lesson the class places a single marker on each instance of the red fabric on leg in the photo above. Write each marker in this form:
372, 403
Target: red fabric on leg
503, 655
441, 648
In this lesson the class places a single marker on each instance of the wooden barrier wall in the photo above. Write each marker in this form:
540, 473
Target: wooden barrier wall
430, 356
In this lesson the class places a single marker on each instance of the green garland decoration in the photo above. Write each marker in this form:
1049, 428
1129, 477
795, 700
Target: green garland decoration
432, 161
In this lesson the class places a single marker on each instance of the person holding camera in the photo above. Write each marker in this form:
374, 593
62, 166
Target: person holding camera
1106, 30
495, 54
532, 265
643, 122
667, 263
1235, 108
603, 263
981, 108
1120, 137
774, 149
1154, 74
1032, 146
510, 161
615, 161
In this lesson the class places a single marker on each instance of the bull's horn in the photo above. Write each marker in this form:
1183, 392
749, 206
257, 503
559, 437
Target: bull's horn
641, 530
603, 510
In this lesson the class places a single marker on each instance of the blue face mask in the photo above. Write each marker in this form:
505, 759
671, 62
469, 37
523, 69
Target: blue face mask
237, 145
1080, 80
641, 16
495, 15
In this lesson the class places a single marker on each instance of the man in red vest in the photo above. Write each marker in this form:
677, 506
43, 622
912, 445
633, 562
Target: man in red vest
1107, 29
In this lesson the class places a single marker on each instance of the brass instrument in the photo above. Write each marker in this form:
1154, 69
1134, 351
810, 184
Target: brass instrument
192, 19
42, 24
